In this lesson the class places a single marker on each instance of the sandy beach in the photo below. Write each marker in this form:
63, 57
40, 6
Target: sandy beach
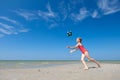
64, 72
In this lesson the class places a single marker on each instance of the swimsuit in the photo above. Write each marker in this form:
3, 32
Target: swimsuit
82, 49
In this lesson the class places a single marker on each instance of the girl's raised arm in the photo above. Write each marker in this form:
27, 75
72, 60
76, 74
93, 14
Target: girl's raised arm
73, 47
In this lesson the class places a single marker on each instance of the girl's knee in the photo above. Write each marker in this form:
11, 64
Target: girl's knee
82, 59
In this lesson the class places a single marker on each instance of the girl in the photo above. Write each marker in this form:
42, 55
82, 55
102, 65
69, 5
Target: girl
84, 53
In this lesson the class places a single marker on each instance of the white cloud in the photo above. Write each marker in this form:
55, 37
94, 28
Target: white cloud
64, 10
44, 15
47, 15
105, 7
32, 15
68, 11
24, 30
14, 28
83, 13
26, 14
9, 20
12, 22
6, 29
109, 6
95, 14
50, 12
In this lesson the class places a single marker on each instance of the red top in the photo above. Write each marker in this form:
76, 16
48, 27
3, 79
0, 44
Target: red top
82, 49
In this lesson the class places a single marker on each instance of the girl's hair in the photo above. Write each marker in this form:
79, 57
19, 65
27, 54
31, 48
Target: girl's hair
80, 39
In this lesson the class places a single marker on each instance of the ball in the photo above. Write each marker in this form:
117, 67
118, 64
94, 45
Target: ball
69, 33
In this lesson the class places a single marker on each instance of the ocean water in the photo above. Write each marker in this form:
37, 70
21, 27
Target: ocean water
17, 64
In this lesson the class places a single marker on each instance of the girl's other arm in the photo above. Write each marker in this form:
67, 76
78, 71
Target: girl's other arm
73, 47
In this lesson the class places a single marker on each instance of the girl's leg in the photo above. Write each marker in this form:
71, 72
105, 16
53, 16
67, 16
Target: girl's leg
83, 61
91, 59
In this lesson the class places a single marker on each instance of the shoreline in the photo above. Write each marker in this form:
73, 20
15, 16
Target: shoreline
30, 64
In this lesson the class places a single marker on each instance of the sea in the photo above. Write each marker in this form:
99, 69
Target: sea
20, 64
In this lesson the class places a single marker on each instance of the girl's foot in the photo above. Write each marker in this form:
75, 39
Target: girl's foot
99, 66
85, 68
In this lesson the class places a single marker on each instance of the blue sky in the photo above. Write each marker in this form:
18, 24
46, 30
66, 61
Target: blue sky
36, 29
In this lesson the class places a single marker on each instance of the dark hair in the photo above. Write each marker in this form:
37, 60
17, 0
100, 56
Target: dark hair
80, 39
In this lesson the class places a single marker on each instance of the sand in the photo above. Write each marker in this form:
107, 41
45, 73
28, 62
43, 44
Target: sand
64, 72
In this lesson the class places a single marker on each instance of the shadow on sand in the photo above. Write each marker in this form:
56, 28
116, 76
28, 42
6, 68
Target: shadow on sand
92, 67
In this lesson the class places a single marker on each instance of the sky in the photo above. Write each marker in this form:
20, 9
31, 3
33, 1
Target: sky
37, 29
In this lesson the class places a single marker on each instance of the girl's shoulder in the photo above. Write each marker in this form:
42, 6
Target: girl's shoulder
79, 44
